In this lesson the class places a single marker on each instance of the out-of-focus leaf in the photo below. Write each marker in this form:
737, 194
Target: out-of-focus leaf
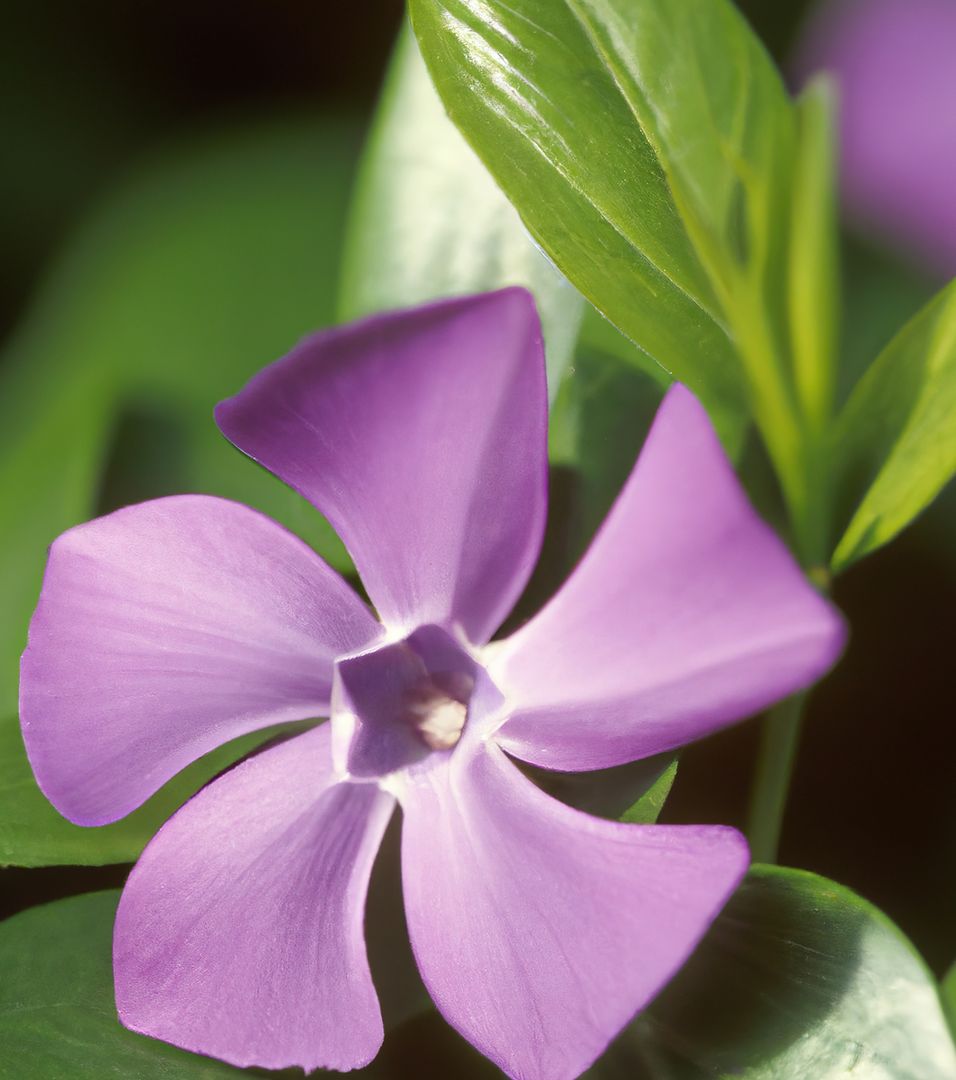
879, 295
646, 144
601, 335
49, 474
814, 271
32, 833
428, 220
57, 1013
598, 425
634, 792
948, 988
798, 978
212, 262
897, 435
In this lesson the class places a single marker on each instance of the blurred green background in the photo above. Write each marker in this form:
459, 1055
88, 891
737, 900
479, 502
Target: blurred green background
173, 205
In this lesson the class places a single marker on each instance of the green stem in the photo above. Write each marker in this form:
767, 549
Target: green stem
775, 761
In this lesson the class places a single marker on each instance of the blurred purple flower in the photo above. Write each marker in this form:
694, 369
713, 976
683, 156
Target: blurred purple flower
893, 63
168, 628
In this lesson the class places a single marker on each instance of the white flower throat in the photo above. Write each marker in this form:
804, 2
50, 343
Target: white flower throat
437, 708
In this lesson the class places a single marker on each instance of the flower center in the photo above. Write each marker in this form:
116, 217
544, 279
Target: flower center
437, 707
400, 703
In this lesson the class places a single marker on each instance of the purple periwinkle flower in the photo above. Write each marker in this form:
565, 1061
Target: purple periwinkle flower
167, 628
893, 63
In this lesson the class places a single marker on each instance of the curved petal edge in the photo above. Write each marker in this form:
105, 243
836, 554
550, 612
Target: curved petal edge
164, 630
240, 931
422, 437
538, 930
686, 614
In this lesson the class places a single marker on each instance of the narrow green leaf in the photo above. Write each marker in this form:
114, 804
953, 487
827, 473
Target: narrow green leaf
814, 278
948, 993
709, 101
32, 833
648, 146
428, 220
57, 1012
798, 978
647, 809
880, 294
897, 436
633, 792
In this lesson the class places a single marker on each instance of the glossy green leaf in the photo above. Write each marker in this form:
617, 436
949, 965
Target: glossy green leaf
897, 436
798, 978
646, 144
214, 260
428, 220
32, 833
58, 1018
814, 270
57, 1013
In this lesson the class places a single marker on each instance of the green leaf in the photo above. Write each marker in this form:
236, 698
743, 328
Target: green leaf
599, 422
798, 978
214, 260
814, 272
600, 335
58, 1018
57, 1013
896, 436
634, 792
647, 809
32, 832
428, 220
948, 993
880, 294
647, 146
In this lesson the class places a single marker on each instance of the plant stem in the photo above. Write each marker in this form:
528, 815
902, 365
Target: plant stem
778, 750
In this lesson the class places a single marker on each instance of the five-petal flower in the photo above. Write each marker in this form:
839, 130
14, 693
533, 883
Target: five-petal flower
168, 628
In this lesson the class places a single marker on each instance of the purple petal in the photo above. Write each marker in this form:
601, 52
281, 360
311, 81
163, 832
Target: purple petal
421, 435
540, 931
686, 613
893, 63
239, 933
163, 631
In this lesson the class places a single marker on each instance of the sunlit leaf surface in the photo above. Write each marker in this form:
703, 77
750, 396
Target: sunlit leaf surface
428, 220
896, 438
798, 978
646, 144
